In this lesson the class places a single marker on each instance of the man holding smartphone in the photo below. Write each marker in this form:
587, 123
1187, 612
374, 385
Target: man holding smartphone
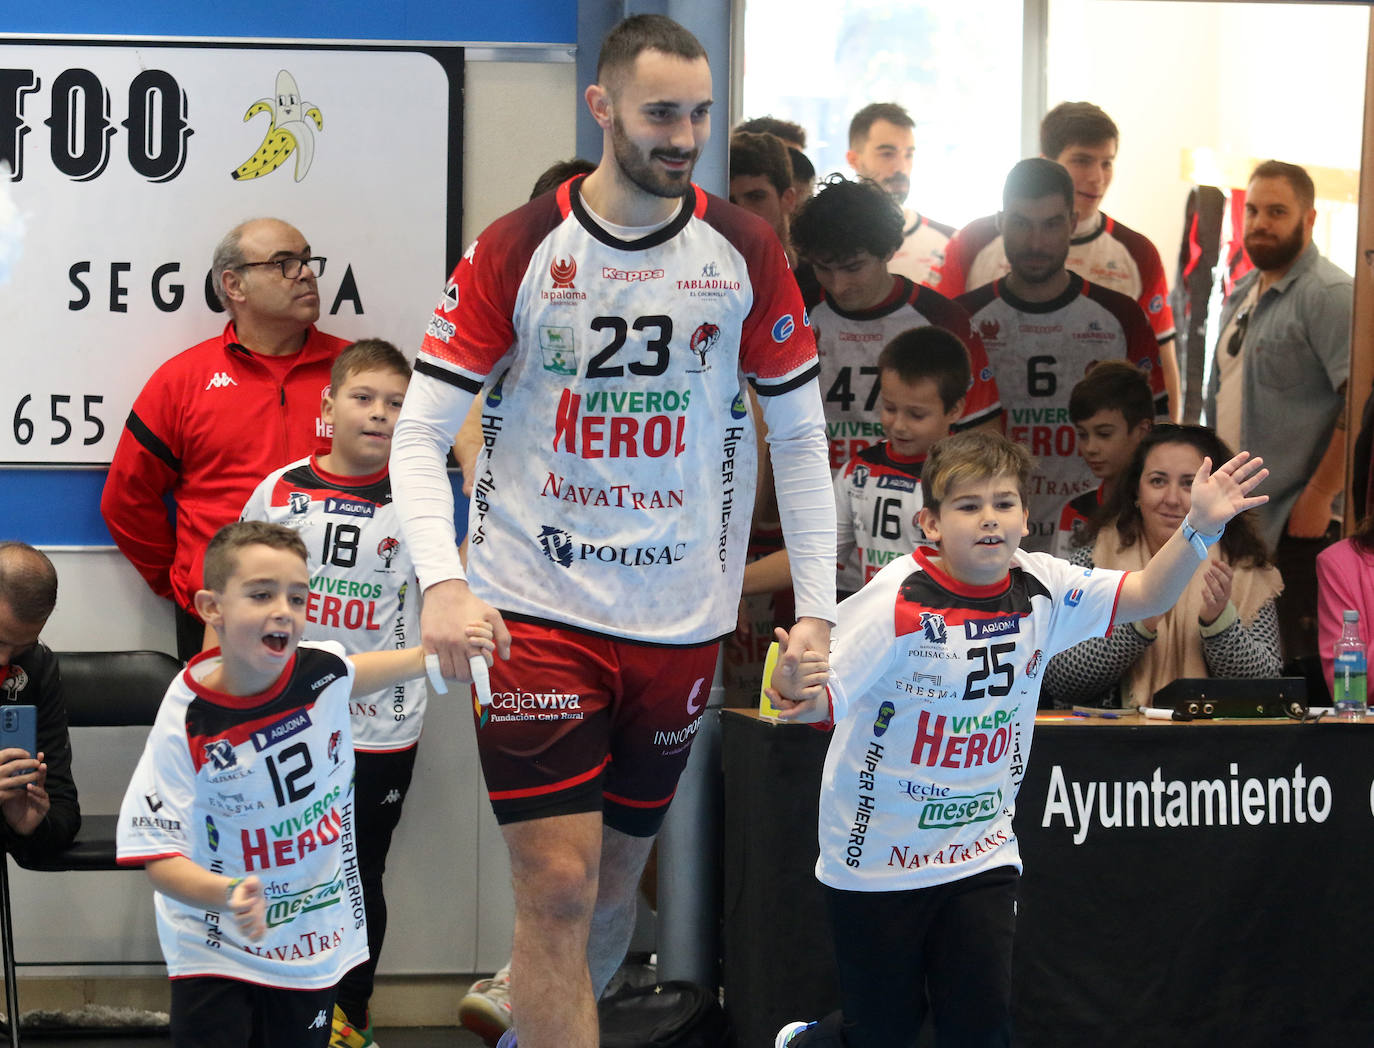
37, 795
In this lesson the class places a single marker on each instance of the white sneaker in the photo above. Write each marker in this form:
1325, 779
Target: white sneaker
485, 1009
788, 1032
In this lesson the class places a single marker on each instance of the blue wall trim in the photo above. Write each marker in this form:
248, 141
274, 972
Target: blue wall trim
61, 507
514, 21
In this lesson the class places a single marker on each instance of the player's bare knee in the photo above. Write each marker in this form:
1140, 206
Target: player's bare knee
561, 888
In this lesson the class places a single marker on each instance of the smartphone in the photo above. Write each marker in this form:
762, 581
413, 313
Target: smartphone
19, 728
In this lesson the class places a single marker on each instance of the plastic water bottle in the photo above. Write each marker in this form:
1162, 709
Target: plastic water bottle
1351, 666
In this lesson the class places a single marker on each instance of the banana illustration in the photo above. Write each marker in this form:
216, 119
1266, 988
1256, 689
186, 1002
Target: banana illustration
287, 133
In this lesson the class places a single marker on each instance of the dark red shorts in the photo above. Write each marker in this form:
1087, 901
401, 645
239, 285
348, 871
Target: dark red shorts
581, 722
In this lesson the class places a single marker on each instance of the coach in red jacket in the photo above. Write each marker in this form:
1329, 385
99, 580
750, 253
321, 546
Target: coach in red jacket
213, 421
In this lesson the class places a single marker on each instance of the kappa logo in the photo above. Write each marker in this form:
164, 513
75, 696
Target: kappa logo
219, 380
319, 1022
562, 273
556, 544
710, 270
300, 502
392, 797
703, 340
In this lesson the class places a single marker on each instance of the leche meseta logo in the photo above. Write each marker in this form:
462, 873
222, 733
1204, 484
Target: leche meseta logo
287, 133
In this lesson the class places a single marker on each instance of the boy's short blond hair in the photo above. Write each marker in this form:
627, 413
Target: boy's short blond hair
971, 457
221, 555
367, 354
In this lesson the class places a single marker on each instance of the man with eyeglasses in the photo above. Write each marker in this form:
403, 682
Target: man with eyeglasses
1278, 383
214, 420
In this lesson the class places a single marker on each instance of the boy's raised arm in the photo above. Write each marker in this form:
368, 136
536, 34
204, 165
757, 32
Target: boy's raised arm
1216, 497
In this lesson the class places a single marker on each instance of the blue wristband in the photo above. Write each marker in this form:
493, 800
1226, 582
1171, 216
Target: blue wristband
1198, 540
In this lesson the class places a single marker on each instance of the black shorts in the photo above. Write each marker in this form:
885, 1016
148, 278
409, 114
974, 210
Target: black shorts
581, 722
214, 1012
944, 949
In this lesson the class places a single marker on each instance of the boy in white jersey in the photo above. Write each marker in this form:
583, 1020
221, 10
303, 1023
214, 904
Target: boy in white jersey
932, 688
1111, 408
923, 376
848, 233
241, 805
363, 594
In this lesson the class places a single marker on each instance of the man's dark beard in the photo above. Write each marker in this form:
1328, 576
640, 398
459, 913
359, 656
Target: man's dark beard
1051, 271
639, 169
1275, 254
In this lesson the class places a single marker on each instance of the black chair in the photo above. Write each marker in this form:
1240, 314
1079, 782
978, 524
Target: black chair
103, 689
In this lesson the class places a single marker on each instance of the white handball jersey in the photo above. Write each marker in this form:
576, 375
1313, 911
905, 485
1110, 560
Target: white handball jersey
616, 481
923, 247
1039, 350
848, 344
934, 686
258, 785
1109, 255
363, 592
878, 502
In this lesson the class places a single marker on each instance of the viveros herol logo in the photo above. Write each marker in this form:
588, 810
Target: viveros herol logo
783, 328
556, 544
738, 407
885, 714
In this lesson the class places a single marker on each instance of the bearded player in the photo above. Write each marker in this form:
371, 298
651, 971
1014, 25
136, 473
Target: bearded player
615, 484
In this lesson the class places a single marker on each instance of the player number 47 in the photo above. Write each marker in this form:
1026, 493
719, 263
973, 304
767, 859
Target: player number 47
841, 393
